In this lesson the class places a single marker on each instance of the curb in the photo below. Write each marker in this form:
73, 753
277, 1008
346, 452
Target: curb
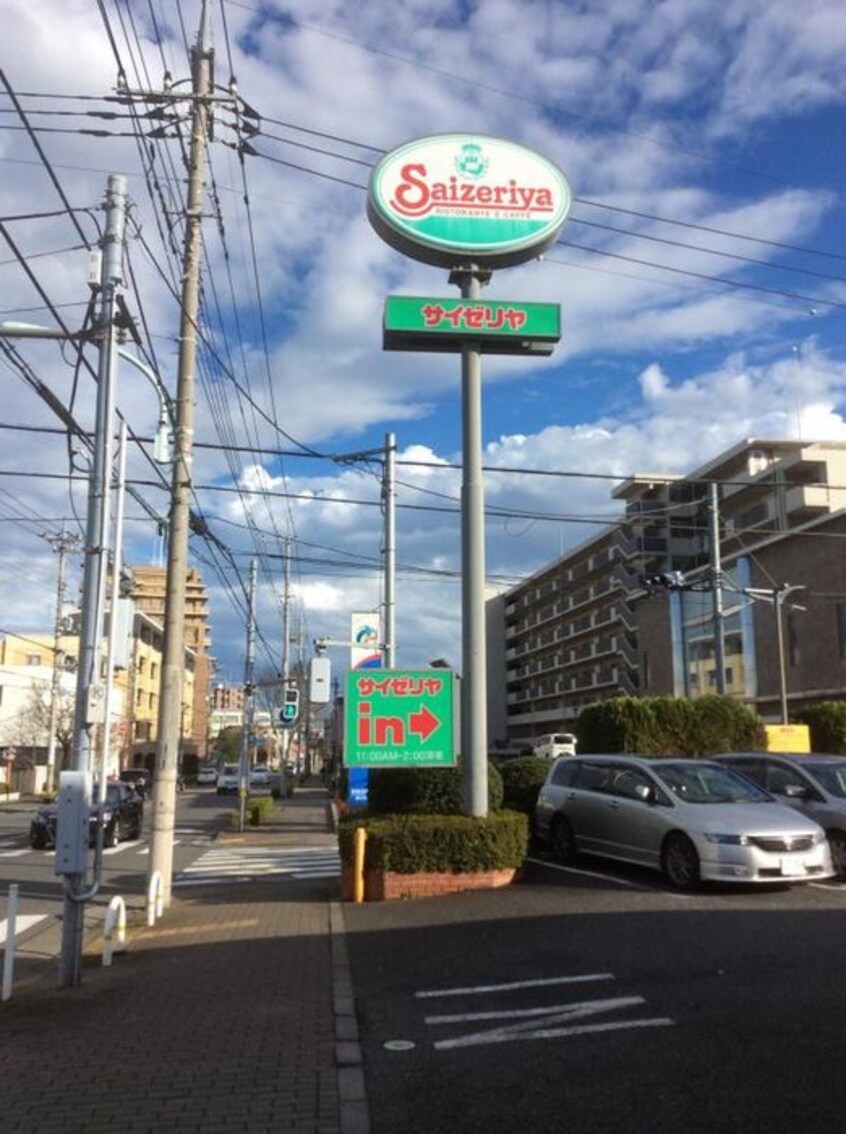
352, 1093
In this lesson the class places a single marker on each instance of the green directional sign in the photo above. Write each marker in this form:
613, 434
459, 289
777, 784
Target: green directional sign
427, 323
399, 718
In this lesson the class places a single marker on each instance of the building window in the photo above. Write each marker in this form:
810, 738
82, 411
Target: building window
33, 659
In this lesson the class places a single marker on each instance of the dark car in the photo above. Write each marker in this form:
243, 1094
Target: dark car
123, 813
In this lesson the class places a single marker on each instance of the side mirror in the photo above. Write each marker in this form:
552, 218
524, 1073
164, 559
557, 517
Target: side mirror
795, 791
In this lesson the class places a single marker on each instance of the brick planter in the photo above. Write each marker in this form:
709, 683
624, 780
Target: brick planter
386, 886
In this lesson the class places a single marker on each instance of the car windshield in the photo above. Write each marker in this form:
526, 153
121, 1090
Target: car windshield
709, 783
230, 769
832, 777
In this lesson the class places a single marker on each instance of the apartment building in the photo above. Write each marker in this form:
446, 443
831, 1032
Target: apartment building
148, 593
569, 633
780, 509
584, 627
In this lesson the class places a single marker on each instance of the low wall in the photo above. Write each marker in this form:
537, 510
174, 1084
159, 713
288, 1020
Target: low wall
386, 885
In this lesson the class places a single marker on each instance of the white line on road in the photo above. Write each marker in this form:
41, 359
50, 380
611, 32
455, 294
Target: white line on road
504, 1035
22, 923
13, 853
545, 983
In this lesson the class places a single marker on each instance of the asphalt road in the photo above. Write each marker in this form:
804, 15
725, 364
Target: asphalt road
199, 814
598, 1001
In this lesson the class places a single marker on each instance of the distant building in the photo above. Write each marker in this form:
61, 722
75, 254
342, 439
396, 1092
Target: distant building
148, 593
585, 627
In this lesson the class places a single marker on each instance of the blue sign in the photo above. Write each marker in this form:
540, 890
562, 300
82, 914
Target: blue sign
357, 785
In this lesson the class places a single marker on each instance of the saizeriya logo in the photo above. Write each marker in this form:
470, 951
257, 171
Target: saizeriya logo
415, 195
471, 162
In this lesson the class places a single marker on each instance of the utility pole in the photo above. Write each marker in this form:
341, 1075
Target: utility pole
89, 681
717, 585
173, 661
63, 543
286, 636
249, 703
389, 497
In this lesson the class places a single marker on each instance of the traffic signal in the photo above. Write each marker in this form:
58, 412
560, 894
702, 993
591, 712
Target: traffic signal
290, 707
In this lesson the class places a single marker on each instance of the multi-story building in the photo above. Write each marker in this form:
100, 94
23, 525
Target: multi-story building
584, 627
780, 608
569, 633
143, 680
148, 592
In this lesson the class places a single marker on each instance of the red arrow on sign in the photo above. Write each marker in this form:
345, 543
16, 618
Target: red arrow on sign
423, 723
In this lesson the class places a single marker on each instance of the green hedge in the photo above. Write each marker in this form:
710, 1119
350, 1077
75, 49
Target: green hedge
522, 779
425, 791
669, 726
827, 724
457, 844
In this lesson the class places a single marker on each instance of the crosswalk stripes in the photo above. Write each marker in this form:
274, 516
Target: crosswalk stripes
230, 864
23, 922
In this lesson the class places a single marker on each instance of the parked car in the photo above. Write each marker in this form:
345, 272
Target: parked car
139, 778
228, 779
694, 820
123, 813
207, 774
259, 775
555, 744
814, 784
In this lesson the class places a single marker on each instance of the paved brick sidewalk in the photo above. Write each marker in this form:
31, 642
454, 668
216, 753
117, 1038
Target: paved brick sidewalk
234, 1012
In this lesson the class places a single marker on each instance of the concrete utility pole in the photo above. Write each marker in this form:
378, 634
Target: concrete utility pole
63, 543
173, 661
89, 686
474, 723
249, 703
286, 635
717, 585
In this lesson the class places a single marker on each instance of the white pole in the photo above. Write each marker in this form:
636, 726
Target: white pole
9, 948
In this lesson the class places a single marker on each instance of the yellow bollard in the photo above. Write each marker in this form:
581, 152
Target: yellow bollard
358, 864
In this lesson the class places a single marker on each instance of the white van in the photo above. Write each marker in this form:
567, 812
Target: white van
555, 744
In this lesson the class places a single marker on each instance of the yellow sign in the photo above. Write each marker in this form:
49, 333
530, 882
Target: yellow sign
788, 738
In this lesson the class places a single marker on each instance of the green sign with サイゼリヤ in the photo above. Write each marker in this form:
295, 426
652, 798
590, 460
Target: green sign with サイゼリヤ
399, 718
430, 323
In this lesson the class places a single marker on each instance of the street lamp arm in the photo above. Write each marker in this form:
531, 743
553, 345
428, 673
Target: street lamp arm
167, 425
33, 331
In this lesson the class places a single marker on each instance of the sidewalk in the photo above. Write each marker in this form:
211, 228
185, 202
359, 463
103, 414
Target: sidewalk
233, 1013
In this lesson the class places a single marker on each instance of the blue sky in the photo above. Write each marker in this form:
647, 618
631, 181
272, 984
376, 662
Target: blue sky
689, 128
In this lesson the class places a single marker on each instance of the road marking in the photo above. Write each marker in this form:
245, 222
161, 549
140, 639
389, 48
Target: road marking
602, 877
23, 922
545, 983
247, 863
13, 853
555, 1021
540, 1023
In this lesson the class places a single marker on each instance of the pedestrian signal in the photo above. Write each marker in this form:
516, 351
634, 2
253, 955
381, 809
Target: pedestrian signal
290, 707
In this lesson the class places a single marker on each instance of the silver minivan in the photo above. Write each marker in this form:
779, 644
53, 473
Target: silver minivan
814, 784
694, 820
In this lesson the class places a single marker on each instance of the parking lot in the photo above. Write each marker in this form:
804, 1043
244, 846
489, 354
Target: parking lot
597, 999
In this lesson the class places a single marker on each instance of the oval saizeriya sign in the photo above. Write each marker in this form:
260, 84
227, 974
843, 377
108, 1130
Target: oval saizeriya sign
459, 199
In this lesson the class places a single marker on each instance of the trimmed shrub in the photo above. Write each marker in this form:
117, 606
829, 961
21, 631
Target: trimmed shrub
522, 779
425, 791
669, 726
827, 724
457, 844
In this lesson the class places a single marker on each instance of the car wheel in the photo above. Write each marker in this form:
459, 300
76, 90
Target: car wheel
112, 835
562, 841
38, 844
680, 862
837, 843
